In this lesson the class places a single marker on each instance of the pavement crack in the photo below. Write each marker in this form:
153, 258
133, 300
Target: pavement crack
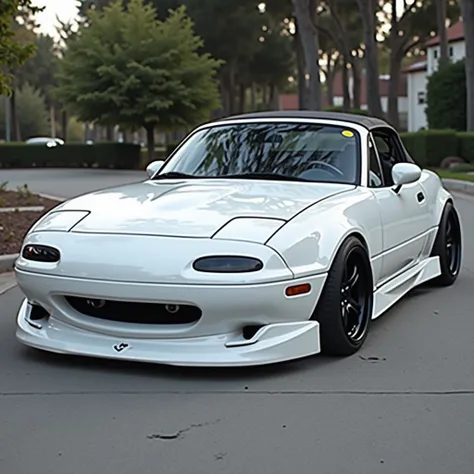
180, 434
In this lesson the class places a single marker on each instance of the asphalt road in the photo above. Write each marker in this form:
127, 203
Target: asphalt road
404, 404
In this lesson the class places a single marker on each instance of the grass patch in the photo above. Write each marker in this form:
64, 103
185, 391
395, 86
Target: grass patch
449, 174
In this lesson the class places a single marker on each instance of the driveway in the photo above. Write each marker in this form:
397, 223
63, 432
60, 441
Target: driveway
404, 404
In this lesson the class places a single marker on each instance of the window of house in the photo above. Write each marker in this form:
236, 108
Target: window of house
435, 53
421, 97
451, 51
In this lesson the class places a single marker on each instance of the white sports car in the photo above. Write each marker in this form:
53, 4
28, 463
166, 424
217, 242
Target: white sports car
262, 238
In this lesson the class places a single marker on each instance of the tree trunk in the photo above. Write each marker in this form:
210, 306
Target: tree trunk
330, 87
242, 97
231, 88
367, 10
253, 97
394, 88
109, 133
150, 141
15, 123
346, 96
302, 89
265, 96
304, 12
443, 38
224, 96
356, 82
64, 124
467, 10
52, 120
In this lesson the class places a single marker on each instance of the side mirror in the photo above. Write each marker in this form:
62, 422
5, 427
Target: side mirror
405, 173
154, 167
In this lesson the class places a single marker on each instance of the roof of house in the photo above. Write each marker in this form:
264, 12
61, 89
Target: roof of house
365, 121
454, 33
416, 67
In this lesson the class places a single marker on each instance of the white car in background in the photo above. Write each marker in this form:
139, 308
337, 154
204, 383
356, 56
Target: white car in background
263, 238
47, 141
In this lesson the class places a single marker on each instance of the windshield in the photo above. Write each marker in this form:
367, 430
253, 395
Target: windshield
307, 152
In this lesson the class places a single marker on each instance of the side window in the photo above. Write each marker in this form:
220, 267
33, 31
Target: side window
375, 171
390, 152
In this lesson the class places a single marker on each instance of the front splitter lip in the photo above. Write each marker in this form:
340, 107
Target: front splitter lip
272, 344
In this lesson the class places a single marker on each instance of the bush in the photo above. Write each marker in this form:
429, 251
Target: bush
429, 147
446, 101
100, 155
466, 146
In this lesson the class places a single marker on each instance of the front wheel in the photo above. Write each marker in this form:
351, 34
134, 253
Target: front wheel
448, 246
344, 309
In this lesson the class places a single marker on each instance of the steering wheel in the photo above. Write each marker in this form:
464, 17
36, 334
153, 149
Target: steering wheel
330, 168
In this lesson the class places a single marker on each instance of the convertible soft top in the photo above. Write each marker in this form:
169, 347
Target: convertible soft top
365, 121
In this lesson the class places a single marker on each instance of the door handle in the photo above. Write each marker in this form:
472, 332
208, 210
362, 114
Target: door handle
420, 197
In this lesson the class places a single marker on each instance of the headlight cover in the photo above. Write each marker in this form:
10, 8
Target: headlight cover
227, 264
59, 221
41, 253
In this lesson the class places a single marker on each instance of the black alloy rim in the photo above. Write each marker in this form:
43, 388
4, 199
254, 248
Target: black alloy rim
356, 296
453, 245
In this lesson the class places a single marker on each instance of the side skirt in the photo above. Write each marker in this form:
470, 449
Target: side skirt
392, 291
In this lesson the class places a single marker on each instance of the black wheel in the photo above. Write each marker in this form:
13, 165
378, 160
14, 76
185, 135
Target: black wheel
448, 247
344, 309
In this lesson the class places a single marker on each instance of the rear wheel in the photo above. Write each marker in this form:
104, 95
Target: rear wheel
448, 247
344, 309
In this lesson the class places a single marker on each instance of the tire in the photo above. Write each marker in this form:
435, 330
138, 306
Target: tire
448, 247
334, 312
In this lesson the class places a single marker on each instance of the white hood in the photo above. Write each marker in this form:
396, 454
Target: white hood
195, 208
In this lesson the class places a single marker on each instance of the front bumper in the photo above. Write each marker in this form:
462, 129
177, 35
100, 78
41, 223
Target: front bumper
215, 340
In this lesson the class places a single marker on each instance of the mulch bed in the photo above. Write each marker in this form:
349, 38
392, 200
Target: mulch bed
14, 225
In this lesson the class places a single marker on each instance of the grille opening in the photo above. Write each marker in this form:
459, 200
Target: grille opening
38, 312
249, 331
135, 312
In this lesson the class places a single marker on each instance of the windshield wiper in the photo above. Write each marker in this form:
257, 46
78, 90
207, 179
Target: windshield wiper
173, 175
269, 176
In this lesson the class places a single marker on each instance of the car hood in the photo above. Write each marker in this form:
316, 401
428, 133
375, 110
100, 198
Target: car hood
193, 208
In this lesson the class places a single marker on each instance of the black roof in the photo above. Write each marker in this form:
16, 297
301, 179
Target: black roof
365, 121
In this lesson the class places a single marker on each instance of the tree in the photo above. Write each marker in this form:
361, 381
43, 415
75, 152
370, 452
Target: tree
339, 20
130, 69
368, 12
467, 9
446, 101
31, 112
305, 13
12, 52
441, 17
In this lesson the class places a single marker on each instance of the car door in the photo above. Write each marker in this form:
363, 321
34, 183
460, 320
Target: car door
404, 214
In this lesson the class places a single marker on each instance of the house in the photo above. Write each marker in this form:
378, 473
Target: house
290, 101
418, 73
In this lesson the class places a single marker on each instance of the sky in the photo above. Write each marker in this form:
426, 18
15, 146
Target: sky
64, 9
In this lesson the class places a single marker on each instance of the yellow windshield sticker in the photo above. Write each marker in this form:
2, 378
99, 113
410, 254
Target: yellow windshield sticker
348, 133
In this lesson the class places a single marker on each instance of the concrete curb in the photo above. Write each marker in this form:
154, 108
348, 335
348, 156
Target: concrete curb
456, 185
7, 262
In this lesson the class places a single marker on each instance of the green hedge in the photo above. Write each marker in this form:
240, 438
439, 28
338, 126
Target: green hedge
99, 155
466, 146
429, 147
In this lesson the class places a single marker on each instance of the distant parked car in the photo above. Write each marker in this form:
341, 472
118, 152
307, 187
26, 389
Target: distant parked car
48, 141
